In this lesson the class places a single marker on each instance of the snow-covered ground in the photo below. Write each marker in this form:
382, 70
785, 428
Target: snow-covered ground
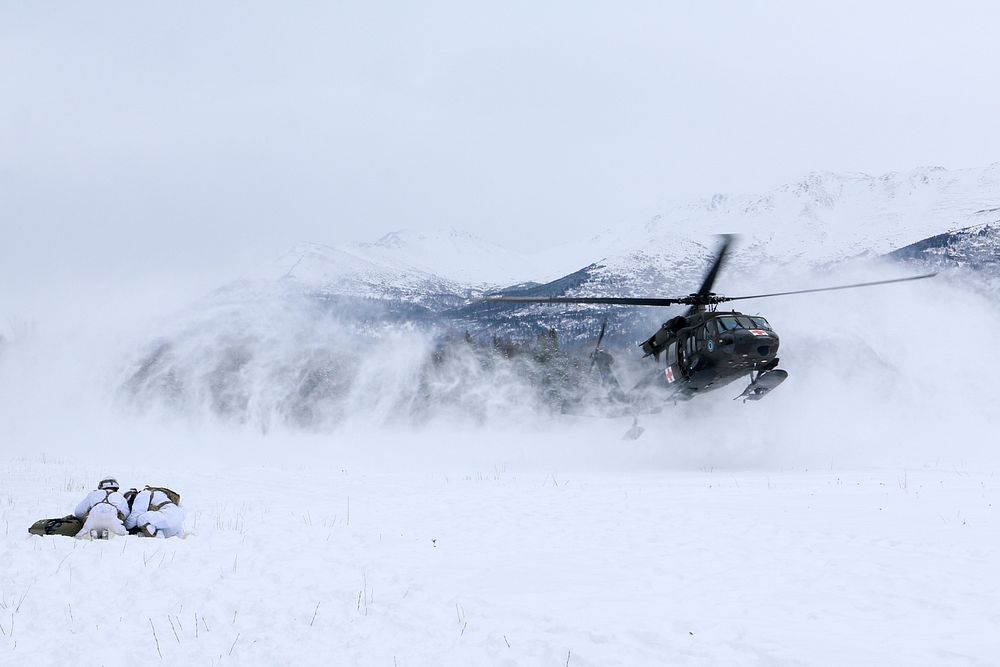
312, 558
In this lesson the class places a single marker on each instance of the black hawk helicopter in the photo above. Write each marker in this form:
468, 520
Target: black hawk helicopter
704, 348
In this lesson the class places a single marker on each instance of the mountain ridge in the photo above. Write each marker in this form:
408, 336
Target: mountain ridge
817, 223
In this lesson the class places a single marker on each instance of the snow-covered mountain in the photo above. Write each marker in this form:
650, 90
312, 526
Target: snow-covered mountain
326, 271
817, 222
975, 248
822, 222
453, 254
824, 219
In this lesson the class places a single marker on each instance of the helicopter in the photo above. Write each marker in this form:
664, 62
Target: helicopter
705, 348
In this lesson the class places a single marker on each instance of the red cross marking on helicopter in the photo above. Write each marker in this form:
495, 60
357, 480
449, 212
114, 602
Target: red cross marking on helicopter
758, 332
669, 373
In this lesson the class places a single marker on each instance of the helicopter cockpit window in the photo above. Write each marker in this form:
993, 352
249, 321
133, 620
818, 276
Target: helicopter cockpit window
731, 322
726, 323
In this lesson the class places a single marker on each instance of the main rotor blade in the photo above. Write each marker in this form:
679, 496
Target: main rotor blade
600, 336
720, 257
830, 289
704, 295
614, 301
693, 300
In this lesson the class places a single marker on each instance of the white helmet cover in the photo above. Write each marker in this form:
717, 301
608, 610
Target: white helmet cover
108, 483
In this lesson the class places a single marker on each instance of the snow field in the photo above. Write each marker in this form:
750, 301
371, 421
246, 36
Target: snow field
847, 519
356, 565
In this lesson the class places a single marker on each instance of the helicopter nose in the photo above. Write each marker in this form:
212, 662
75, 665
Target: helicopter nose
756, 344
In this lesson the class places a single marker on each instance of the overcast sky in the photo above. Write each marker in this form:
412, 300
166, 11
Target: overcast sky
206, 136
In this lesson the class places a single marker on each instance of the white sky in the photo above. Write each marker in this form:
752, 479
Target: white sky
205, 137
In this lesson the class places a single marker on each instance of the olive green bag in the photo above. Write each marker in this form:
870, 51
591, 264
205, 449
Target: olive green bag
67, 525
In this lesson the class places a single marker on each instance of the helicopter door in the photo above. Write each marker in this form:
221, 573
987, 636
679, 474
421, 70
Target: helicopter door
690, 347
694, 345
673, 371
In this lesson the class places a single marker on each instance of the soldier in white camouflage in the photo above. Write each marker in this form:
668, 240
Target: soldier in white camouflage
156, 512
103, 511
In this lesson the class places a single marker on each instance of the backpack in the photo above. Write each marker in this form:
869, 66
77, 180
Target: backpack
172, 497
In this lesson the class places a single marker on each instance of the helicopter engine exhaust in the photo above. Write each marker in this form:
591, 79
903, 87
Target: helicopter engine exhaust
658, 341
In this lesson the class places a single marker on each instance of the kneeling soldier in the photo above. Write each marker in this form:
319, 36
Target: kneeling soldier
104, 511
156, 512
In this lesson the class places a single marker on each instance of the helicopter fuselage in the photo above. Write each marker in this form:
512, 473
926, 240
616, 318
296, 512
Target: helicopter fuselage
707, 350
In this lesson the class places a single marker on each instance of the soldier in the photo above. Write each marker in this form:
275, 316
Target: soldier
103, 511
156, 512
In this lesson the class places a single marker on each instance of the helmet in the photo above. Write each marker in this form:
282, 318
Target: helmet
108, 483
